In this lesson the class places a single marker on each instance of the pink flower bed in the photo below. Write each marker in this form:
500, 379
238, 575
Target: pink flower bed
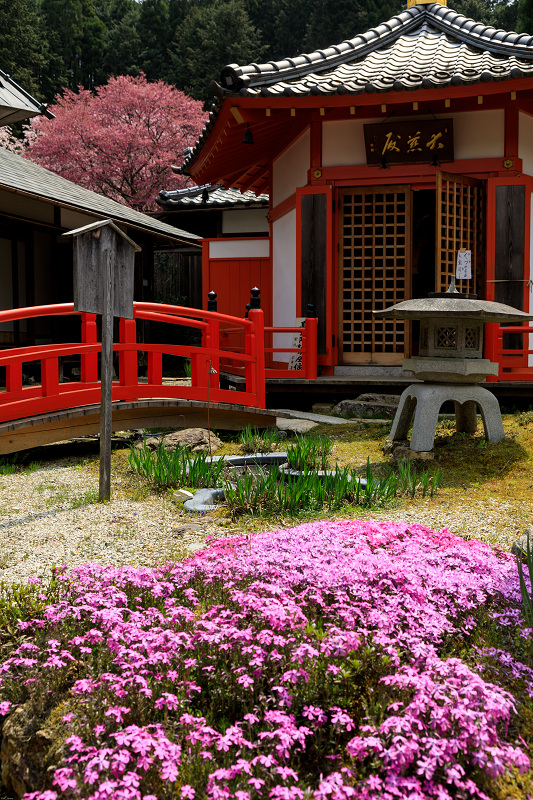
299, 664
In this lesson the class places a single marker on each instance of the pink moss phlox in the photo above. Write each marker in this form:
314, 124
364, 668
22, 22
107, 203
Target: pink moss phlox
268, 630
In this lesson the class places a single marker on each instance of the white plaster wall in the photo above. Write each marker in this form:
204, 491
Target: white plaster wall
253, 220
525, 142
284, 279
343, 142
290, 169
239, 248
477, 134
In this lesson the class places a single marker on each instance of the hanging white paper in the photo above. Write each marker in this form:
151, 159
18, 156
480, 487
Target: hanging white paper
464, 265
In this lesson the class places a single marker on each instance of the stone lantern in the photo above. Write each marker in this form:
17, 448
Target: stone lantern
450, 364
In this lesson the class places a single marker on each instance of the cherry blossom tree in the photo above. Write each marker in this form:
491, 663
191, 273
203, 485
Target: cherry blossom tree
119, 141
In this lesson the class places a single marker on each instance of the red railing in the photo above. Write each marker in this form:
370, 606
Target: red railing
53, 394
306, 352
513, 363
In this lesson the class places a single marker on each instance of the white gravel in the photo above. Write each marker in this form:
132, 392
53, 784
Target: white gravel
50, 516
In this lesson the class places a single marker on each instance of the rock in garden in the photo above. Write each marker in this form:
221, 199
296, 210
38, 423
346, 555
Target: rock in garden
181, 495
401, 452
190, 527
519, 548
387, 399
362, 408
295, 425
26, 752
195, 439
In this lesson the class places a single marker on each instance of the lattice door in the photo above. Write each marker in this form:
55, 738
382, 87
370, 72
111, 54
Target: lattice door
460, 203
374, 272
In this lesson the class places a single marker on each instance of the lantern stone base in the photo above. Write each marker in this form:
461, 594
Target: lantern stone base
424, 401
450, 370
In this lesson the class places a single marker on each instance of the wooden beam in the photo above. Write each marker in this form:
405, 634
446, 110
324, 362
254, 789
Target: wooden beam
237, 114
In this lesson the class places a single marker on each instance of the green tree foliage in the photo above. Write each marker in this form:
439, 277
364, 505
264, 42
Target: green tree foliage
332, 21
49, 45
22, 50
155, 38
76, 40
210, 37
524, 21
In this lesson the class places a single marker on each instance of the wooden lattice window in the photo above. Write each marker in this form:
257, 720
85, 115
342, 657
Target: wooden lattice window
459, 224
374, 270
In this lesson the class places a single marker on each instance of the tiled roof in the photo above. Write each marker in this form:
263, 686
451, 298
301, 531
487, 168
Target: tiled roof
425, 47
21, 175
15, 103
209, 196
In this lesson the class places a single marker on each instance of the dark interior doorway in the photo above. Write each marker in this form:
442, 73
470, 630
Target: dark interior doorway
423, 255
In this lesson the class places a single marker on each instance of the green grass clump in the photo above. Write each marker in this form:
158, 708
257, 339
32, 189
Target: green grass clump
167, 469
309, 452
252, 440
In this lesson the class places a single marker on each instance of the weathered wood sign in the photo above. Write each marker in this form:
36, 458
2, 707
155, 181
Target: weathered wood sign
413, 142
104, 260
91, 242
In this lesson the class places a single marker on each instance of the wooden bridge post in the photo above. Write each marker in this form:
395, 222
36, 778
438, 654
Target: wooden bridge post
257, 348
89, 361
309, 342
127, 359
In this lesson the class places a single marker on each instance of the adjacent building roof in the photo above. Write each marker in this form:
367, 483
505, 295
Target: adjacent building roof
22, 176
425, 47
209, 196
16, 104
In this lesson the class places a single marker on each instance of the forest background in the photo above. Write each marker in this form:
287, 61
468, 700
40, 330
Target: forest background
49, 45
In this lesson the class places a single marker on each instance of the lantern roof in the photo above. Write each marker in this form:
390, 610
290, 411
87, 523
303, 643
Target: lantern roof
453, 305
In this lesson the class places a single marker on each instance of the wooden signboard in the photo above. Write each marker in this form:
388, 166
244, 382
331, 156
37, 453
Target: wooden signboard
104, 259
413, 142
92, 241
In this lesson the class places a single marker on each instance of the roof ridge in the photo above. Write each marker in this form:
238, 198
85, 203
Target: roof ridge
496, 40
241, 77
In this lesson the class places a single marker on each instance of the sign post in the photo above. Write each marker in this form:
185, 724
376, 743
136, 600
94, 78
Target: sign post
104, 259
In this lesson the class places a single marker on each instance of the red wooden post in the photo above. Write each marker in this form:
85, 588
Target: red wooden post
257, 348
49, 376
127, 359
309, 348
214, 332
155, 368
89, 361
14, 377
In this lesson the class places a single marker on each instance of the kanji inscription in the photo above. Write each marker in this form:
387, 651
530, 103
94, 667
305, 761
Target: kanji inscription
416, 142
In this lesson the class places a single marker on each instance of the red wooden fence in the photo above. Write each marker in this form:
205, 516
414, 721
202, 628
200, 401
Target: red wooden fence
511, 362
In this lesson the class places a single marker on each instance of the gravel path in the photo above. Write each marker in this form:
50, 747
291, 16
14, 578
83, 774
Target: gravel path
50, 516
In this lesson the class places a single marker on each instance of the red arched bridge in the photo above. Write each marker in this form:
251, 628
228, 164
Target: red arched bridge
55, 407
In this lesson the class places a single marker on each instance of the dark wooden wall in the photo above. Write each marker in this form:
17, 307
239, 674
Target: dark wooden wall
509, 253
314, 234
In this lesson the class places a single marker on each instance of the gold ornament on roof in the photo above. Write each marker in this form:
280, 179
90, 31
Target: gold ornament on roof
425, 2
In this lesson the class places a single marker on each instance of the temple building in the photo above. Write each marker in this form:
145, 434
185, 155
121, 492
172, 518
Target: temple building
392, 161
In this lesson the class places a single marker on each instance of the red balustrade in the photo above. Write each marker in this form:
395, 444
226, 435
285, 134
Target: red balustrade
306, 350
513, 363
55, 394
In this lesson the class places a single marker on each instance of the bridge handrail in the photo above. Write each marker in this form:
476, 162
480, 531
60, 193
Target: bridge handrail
53, 393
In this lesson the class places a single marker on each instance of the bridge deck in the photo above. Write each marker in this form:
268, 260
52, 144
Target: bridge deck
23, 434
